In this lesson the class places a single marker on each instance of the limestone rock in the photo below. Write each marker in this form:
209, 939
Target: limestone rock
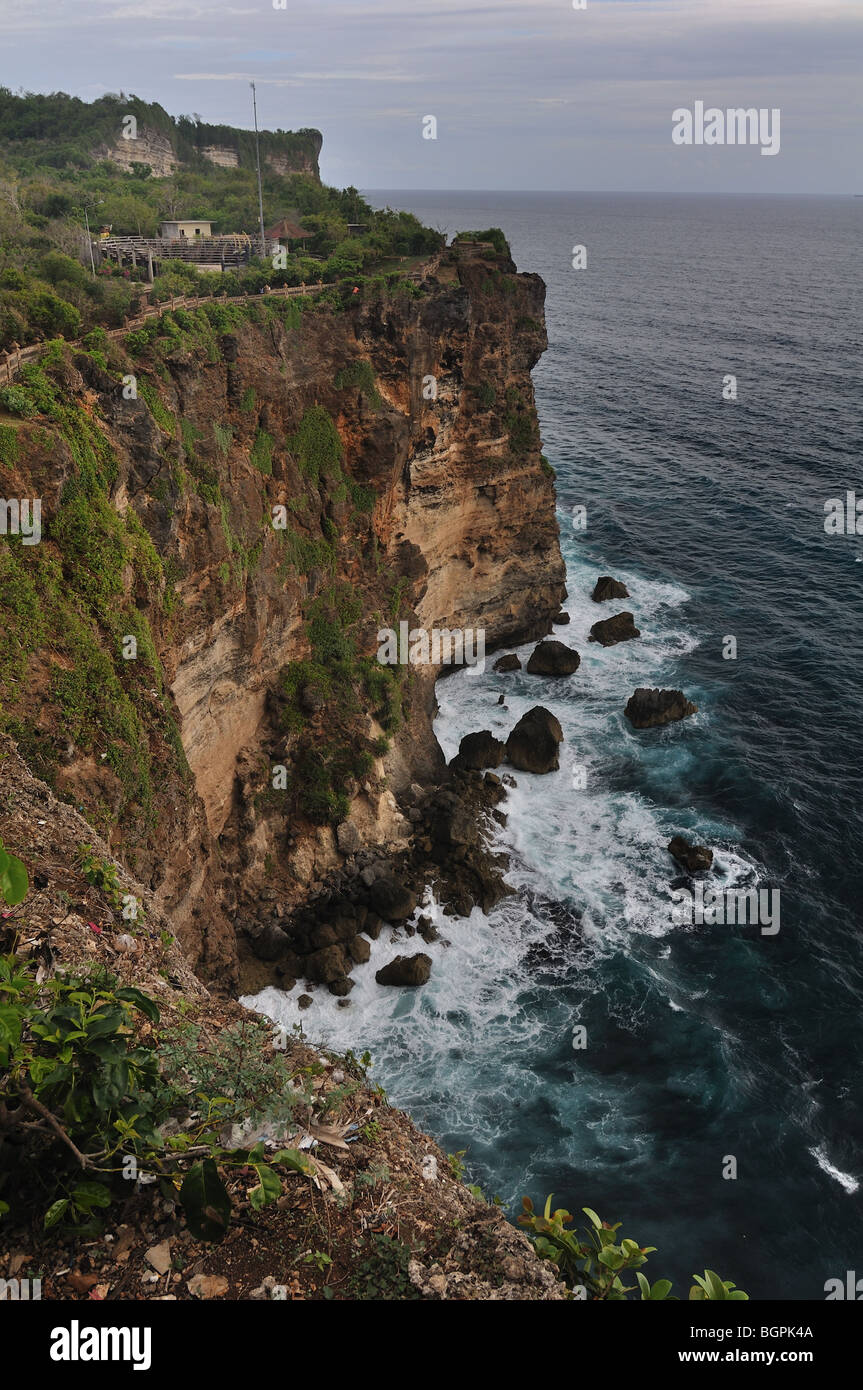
348, 837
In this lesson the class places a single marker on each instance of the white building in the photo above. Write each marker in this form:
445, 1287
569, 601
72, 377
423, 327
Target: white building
191, 227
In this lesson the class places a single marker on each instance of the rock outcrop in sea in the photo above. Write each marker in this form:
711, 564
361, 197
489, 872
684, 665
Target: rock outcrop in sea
649, 709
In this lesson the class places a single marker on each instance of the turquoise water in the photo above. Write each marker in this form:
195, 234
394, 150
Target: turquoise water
703, 1042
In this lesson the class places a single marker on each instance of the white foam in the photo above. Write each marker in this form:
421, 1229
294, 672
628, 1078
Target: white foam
845, 1180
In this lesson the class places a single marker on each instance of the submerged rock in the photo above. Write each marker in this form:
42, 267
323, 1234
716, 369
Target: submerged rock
647, 709
553, 659
606, 588
620, 628
560, 619
533, 744
694, 858
408, 971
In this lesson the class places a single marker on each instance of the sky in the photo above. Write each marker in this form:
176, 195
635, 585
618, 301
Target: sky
526, 94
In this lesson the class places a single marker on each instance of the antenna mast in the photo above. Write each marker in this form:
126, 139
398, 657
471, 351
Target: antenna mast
258, 165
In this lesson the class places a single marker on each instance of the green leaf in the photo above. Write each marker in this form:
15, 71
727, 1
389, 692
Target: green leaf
104, 1022
270, 1187
593, 1217
611, 1258
204, 1199
644, 1286
55, 1211
13, 880
143, 1002
292, 1158
10, 1025
661, 1289
91, 1194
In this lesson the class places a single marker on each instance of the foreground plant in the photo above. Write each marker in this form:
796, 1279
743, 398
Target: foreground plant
93, 1096
598, 1263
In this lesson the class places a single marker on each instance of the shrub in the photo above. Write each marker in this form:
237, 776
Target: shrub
317, 445
596, 1265
262, 452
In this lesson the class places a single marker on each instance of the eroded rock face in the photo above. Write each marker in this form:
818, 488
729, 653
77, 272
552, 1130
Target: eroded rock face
407, 971
694, 858
606, 588
620, 628
448, 484
648, 709
553, 659
534, 742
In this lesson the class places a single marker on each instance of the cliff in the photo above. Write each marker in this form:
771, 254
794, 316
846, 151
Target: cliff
396, 430
235, 500
55, 128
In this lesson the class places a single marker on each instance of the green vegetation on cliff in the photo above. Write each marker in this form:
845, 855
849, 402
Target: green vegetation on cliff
71, 598
49, 174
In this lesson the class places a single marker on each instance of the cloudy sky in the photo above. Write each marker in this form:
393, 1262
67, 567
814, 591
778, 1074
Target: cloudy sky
527, 94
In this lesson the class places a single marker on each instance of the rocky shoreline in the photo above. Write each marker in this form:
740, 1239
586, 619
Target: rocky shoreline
449, 850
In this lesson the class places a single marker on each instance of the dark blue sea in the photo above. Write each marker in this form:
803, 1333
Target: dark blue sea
704, 1043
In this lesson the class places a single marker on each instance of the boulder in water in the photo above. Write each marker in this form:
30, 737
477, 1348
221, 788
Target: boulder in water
620, 628
533, 744
507, 663
553, 659
648, 709
606, 588
477, 751
408, 971
694, 858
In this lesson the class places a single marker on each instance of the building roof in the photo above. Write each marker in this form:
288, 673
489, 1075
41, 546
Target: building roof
288, 228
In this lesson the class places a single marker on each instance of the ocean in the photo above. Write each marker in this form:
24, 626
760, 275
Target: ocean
578, 1040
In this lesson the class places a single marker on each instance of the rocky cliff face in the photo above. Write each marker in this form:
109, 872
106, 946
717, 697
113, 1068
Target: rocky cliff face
274, 488
160, 152
150, 147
